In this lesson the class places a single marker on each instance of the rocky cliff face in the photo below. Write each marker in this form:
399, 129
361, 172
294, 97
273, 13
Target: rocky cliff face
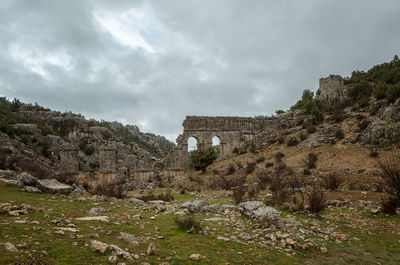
374, 126
48, 143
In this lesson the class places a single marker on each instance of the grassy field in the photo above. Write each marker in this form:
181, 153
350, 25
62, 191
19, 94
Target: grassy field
376, 237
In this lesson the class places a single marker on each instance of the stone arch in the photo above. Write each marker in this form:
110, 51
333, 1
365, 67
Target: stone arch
192, 143
216, 143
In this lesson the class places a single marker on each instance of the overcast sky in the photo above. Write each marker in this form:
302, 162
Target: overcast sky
151, 63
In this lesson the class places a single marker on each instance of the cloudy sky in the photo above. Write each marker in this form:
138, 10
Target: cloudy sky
151, 63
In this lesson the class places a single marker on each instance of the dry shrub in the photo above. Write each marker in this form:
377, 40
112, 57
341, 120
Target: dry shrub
363, 125
389, 168
311, 129
197, 179
263, 179
260, 159
278, 184
110, 188
279, 156
188, 223
185, 185
280, 139
250, 167
228, 181
215, 171
316, 199
253, 191
333, 181
373, 152
269, 164
166, 196
278, 190
311, 160
297, 186
337, 114
66, 177
239, 193
230, 170
292, 141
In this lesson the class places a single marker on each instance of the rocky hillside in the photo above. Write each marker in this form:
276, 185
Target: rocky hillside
44, 142
345, 127
361, 110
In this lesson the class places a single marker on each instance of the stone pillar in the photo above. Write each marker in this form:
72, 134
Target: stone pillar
69, 157
108, 157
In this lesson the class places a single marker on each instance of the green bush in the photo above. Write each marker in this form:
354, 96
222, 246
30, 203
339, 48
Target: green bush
360, 90
201, 158
379, 90
86, 148
393, 92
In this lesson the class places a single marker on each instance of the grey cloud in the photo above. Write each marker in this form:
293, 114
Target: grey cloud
212, 57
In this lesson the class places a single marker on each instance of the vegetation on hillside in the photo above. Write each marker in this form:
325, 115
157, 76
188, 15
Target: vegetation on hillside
380, 82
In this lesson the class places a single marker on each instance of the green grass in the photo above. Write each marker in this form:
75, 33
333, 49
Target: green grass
176, 246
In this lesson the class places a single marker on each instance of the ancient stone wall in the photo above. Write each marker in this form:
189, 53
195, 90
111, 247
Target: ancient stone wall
232, 132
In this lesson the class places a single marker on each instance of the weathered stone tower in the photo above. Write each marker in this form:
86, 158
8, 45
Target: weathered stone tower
331, 89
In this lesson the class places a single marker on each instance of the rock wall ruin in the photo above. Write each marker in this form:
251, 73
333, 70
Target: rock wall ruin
232, 132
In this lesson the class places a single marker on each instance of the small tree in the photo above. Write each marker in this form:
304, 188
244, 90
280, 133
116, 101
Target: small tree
201, 158
389, 167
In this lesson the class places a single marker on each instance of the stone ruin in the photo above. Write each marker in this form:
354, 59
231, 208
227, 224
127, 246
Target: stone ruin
69, 158
233, 132
331, 89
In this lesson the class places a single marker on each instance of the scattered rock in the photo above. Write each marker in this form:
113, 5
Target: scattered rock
223, 238
10, 247
96, 211
261, 213
245, 236
195, 257
136, 201
94, 218
99, 246
195, 206
32, 189
120, 253
113, 259
152, 250
13, 182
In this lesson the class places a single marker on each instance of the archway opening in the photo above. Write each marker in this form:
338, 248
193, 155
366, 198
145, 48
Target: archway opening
192, 144
216, 144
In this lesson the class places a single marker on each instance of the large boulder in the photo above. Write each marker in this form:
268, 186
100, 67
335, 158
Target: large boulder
382, 134
27, 179
53, 186
392, 112
195, 206
261, 213
12, 182
8, 174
